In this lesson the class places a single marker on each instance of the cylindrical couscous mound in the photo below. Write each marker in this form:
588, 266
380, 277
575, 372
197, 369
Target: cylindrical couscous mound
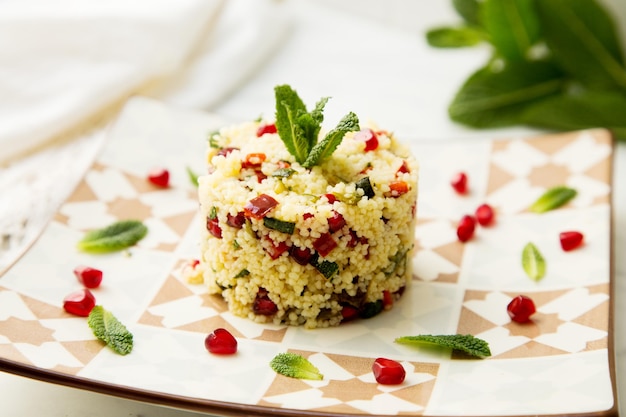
307, 246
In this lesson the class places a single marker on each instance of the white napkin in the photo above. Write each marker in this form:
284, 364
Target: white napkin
64, 61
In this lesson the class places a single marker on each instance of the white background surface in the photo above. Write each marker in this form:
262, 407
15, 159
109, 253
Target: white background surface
373, 60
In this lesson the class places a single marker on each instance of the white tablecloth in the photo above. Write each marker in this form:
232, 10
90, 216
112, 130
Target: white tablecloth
372, 60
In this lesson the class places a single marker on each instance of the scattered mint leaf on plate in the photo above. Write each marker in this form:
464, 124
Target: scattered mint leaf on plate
533, 262
553, 198
108, 329
295, 366
462, 342
117, 236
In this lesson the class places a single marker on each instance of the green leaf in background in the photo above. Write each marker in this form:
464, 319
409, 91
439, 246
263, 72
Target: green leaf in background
512, 26
469, 10
106, 327
553, 198
463, 342
117, 236
555, 64
580, 110
496, 98
454, 37
583, 40
533, 262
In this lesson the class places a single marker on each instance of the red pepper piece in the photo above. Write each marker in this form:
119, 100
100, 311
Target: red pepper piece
259, 206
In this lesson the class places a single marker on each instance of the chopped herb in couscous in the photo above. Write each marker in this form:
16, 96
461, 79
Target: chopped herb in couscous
306, 228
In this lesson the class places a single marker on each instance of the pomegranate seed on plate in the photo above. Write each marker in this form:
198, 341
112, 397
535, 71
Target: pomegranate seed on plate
465, 229
159, 177
221, 342
388, 372
570, 240
88, 276
79, 303
459, 182
484, 214
521, 308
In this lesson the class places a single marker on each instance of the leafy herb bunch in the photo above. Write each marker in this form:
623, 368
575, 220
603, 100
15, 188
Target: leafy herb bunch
556, 64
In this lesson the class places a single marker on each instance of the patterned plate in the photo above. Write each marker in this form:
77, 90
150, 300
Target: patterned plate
560, 363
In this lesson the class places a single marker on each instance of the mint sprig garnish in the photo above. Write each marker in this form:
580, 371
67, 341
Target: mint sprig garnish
109, 329
463, 342
117, 236
299, 129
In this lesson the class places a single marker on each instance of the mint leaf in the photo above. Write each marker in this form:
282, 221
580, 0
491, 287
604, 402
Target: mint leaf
533, 262
117, 236
295, 366
469, 10
512, 26
582, 38
462, 342
454, 37
299, 129
193, 177
580, 110
553, 198
289, 107
492, 98
327, 146
108, 329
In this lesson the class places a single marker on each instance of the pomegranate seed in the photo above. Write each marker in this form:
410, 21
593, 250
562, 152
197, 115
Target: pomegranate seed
213, 226
88, 276
324, 244
221, 342
404, 168
330, 197
79, 303
336, 222
521, 308
300, 255
459, 182
253, 160
273, 249
226, 151
159, 177
570, 240
388, 371
349, 312
484, 214
236, 221
263, 305
265, 128
465, 229
369, 137
387, 300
